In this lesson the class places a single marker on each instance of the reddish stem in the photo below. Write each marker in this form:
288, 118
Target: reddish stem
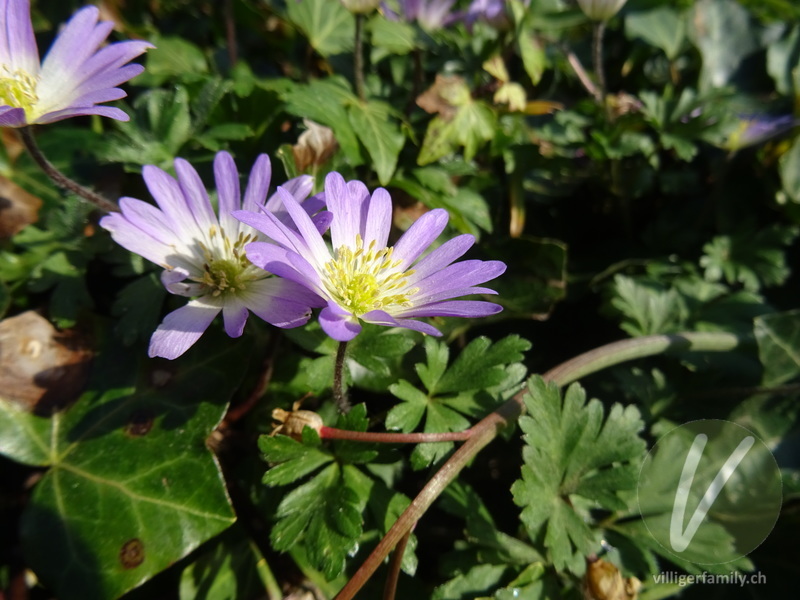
331, 433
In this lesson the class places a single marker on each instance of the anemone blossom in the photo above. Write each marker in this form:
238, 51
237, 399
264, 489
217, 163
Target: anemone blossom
363, 279
203, 254
76, 74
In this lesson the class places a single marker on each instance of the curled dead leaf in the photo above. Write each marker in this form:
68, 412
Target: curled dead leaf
18, 208
41, 369
603, 581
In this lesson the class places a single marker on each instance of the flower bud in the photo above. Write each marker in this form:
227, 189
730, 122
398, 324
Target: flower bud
360, 7
601, 10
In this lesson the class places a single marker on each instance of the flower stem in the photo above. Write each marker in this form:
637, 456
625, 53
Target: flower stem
488, 428
390, 589
339, 395
597, 58
358, 58
331, 433
60, 179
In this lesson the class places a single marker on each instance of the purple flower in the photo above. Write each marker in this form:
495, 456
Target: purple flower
74, 77
756, 129
203, 255
430, 14
364, 280
493, 12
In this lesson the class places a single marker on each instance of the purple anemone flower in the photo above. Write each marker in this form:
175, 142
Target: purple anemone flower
203, 254
430, 14
363, 279
75, 75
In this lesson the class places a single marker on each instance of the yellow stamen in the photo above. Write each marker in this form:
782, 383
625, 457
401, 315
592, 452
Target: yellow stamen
364, 279
228, 271
18, 89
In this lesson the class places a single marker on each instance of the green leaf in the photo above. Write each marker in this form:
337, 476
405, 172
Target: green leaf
477, 582
783, 58
231, 569
647, 308
778, 337
754, 260
172, 57
537, 279
789, 169
473, 124
663, 27
725, 34
480, 377
296, 459
571, 452
393, 37
138, 308
481, 364
132, 487
327, 512
24, 437
325, 101
329, 26
382, 138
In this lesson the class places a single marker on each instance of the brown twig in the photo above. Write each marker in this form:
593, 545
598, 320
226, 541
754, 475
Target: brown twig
59, 178
390, 589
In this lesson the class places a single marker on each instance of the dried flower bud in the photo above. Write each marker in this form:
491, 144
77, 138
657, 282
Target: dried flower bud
601, 10
314, 146
293, 422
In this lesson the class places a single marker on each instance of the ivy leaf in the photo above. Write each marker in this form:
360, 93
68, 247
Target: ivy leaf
573, 453
754, 260
132, 487
481, 376
778, 337
472, 124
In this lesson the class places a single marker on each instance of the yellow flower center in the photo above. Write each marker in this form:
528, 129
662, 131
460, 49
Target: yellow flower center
18, 89
226, 269
366, 279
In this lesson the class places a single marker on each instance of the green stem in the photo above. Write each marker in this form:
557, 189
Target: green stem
488, 428
358, 58
339, 395
597, 58
59, 178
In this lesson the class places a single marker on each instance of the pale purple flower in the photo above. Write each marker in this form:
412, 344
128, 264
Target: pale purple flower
756, 129
492, 12
203, 254
75, 76
362, 279
430, 14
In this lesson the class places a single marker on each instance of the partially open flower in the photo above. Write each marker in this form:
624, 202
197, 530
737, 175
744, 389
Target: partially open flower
75, 76
363, 279
203, 254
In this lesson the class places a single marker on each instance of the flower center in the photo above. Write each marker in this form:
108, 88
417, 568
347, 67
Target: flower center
363, 280
226, 269
18, 89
